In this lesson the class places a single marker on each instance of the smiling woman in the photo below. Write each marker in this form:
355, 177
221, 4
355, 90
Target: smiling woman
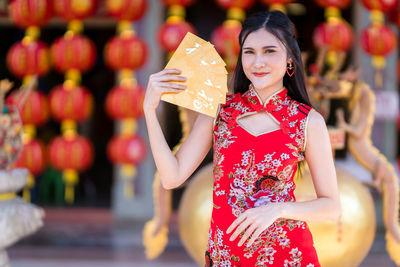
253, 196
264, 65
259, 137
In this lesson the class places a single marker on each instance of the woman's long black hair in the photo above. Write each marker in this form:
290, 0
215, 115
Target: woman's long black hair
278, 24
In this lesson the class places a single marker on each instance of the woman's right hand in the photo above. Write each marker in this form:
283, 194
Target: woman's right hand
162, 82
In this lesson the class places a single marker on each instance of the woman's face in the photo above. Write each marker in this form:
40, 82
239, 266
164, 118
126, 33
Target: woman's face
264, 60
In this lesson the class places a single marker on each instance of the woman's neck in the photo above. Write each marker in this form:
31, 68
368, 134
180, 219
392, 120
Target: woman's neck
265, 93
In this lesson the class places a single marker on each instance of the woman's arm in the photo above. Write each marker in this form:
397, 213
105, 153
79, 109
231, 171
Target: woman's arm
175, 169
318, 154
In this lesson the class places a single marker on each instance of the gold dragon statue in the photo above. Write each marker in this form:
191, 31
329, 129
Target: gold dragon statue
361, 105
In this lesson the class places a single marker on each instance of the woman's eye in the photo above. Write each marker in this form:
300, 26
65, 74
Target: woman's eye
269, 51
248, 52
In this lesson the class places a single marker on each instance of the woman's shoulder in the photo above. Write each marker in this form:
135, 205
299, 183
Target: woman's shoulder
299, 108
315, 118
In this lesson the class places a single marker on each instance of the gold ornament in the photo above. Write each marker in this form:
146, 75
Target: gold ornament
352, 235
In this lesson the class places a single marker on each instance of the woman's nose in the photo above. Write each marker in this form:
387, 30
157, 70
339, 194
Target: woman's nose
259, 62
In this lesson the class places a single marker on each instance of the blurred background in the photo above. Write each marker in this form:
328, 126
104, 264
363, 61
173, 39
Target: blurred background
85, 140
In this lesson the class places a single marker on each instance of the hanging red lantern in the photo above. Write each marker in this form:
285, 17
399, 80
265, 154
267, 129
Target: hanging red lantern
71, 153
226, 39
32, 157
337, 35
378, 40
276, 2
125, 52
35, 110
242, 4
127, 9
381, 5
126, 149
170, 34
334, 3
75, 10
73, 52
26, 13
31, 58
125, 103
71, 103
178, 2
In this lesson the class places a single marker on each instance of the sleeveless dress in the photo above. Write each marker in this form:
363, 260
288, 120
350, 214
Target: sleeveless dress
251, 171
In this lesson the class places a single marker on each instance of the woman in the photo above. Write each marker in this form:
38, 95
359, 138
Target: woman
261, 134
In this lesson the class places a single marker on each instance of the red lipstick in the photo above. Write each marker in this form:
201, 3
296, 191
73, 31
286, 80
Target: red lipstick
260, 74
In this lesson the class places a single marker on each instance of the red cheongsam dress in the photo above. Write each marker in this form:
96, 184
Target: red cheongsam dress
252, 171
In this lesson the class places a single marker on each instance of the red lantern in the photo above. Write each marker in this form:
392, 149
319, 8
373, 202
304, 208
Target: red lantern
337, 35
25, 13
382, 5
242, 4
31, 58
170, 34
73, 52
227, 37
71, 103
127, 9
178, 2
75, 10
126, 149
124, 103
35, 110
334, 3
125, 52
276, 2
32, 157
75, 153
378, 40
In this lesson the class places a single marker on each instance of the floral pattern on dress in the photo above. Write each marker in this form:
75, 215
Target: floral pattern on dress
253, 171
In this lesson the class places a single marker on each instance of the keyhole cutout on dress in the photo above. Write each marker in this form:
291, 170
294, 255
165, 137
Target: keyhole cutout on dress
258, 123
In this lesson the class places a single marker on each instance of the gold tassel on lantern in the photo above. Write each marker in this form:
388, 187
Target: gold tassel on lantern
70, 178
128, 128
29, 133
129, 173
379, 63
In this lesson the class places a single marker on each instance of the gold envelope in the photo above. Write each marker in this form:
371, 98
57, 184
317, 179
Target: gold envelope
206, 76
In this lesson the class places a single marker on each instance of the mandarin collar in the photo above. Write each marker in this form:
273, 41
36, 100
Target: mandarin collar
270, 104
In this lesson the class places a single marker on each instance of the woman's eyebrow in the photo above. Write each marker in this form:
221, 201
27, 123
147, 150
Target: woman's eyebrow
264, 47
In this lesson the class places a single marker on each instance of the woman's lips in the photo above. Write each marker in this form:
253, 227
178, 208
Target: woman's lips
260, 74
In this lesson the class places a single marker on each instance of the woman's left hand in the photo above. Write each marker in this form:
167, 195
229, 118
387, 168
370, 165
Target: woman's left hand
256, 220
